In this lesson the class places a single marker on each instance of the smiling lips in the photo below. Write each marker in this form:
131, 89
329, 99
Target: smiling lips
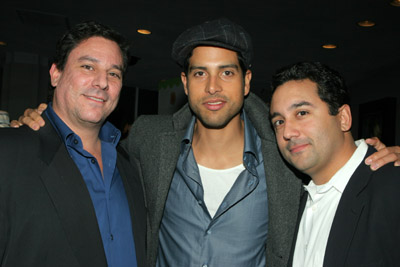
96, 99
214, 104
297, 148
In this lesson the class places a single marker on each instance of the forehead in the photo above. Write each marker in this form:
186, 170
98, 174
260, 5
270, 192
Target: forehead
212, 54
99, 48
295, 91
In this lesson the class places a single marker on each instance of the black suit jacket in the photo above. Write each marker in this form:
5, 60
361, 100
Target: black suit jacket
46, 214
366, 227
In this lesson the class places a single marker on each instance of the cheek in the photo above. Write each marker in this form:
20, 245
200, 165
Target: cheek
114, 91
279, 138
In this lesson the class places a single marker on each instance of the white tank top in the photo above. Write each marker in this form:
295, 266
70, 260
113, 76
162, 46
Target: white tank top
216, 184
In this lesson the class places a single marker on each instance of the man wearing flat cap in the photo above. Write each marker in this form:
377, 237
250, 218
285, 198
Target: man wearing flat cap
218, 192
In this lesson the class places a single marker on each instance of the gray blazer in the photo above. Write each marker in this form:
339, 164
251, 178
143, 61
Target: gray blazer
155, 140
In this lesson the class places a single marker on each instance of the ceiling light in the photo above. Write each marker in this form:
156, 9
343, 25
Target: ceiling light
329, 46
143, 31
395, 3
366, 23
3, 43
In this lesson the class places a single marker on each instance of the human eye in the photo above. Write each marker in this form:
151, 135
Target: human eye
302, 113
199, 73
277, 123
116, 75
228, 73
87, 67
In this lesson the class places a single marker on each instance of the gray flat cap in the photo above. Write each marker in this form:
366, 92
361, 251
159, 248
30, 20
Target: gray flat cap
221, 33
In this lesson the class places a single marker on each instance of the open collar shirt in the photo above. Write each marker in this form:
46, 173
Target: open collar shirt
320, 210
237, 234
106, 190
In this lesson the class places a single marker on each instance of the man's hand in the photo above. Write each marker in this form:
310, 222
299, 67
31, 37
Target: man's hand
31, 117
383, 156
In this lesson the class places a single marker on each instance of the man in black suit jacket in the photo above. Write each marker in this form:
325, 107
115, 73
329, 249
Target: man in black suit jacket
349, 215
69, 195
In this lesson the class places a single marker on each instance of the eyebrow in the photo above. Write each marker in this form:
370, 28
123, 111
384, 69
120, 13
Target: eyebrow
293, 106
235, 66
95, 60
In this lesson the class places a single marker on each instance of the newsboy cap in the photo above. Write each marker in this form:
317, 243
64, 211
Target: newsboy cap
221, 33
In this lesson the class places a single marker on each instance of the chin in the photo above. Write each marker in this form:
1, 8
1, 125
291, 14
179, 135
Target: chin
216, 124
93, 119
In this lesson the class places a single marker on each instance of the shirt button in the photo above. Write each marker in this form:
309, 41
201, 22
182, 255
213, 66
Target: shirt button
112, 237
200, 202
76, 142
251, 182
314, 208
209, 232
204, 265
93, 161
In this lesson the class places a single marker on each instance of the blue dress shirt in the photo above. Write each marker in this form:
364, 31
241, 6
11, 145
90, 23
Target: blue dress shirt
106, 191
237, 234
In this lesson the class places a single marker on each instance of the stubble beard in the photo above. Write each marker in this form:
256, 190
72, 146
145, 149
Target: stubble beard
221, 120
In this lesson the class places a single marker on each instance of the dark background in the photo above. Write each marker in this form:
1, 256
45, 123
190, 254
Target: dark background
283, 32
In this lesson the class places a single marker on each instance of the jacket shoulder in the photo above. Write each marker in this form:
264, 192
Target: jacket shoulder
13, 138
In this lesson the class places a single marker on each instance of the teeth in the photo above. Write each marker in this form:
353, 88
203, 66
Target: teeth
214, 103
97, 99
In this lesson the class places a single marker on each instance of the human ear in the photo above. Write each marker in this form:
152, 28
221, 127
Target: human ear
55, 75
184, 82
345, 117
247, 79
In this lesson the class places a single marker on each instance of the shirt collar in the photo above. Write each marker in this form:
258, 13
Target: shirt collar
250, 136
108, 132
340, 179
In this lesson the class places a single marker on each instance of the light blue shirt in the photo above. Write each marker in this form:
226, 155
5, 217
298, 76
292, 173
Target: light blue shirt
237, 234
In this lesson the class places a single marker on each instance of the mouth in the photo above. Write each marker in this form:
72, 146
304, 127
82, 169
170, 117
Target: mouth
96, 99
214, 104
297, 148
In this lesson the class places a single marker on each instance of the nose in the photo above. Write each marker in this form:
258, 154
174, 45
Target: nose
213, 85
100, 81
290, 130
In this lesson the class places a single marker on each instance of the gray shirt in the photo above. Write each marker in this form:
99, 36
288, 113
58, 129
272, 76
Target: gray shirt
237, 234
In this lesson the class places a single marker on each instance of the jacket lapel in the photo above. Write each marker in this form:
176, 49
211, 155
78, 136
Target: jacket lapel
169, 143
303, 203
71, 199
134, 193
169, 153
347, 216
283, 189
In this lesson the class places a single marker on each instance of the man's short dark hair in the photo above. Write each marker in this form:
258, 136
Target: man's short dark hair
331, 86
84, 31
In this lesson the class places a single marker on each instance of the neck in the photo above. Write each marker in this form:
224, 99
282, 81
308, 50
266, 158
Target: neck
219, 148
89, 134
